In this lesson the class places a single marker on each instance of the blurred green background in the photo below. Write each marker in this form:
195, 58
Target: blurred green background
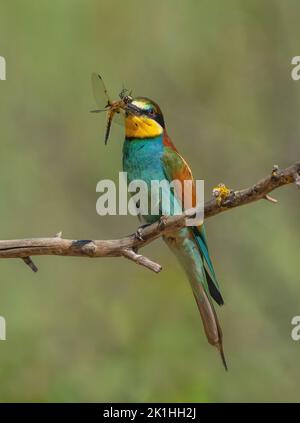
108, 330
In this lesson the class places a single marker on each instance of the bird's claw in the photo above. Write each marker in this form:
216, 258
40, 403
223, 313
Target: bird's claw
139, 232
162, 222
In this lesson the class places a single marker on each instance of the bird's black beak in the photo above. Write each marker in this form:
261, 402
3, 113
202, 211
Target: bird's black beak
132, 109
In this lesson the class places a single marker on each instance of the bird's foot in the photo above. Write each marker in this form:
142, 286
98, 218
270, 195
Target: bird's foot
162, 222
221, 193
139, 232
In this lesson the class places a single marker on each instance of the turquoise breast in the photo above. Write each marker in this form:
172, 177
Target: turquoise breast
142, 161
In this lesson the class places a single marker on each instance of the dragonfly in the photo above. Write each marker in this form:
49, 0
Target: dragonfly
114, 109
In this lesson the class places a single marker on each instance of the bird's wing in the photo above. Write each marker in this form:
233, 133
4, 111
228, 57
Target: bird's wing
176, 168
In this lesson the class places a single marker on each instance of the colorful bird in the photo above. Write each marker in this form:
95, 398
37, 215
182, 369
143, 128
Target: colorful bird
149, 154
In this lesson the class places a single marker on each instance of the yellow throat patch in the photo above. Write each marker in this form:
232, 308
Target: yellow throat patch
141, 127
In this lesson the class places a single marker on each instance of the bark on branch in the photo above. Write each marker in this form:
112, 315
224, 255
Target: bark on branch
223, 199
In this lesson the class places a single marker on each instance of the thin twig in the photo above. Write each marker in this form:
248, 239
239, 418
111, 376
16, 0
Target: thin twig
29, 262
142, 260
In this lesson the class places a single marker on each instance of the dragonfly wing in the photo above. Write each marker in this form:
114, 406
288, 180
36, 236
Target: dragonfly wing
102, 98
119, 118
100, 92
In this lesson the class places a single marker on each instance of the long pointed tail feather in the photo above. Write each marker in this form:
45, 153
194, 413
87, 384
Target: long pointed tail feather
184, 245
210, 323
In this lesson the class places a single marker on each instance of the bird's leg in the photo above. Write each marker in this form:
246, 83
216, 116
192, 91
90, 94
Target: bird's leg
161, 226
162, 222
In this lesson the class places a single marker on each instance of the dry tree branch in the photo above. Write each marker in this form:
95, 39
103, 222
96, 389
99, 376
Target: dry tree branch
223, 199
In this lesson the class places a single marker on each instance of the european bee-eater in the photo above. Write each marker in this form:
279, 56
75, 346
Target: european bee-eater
149, 154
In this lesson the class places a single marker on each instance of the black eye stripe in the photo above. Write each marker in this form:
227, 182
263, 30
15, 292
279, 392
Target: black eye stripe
141, 111
155, 116
153, 113
159, 118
